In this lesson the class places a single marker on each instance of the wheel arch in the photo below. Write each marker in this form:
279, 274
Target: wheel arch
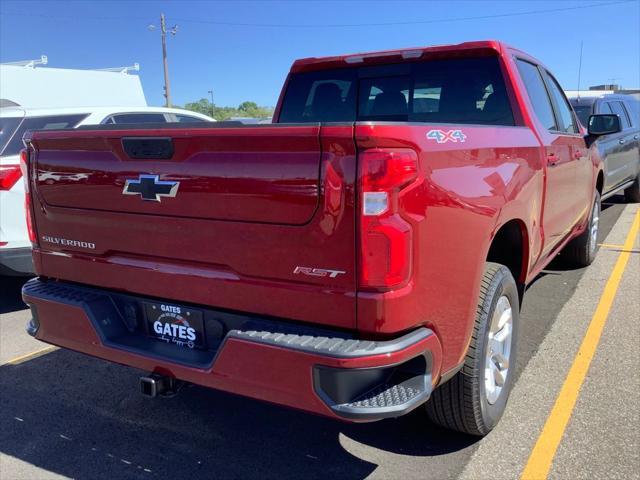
600, 181
509, 246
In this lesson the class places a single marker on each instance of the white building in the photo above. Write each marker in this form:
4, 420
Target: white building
31, 85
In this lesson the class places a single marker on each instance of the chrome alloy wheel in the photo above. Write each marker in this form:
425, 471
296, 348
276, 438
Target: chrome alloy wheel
498, 350
594, 227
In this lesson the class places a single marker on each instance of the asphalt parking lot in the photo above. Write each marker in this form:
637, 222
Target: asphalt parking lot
63, 414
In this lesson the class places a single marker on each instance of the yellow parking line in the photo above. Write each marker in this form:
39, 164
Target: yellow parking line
610, 245
30, 356
544, 451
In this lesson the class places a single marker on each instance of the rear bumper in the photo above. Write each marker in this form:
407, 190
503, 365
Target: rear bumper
324, 372
16, 261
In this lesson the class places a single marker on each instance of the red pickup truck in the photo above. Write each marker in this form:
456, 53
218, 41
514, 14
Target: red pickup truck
363, 255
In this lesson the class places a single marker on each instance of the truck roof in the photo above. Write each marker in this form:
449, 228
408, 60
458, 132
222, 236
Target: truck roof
399, 55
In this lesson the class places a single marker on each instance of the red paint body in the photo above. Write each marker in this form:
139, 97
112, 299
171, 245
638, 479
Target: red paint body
255, 202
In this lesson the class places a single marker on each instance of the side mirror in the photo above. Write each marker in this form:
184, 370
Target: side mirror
603, 124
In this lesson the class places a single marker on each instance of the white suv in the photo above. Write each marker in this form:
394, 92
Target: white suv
15, 247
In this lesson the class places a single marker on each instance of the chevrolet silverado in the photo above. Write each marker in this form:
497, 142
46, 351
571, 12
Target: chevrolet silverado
364, 255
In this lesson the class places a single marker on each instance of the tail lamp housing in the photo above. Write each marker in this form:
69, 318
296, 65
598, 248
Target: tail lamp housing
385, 236
24, 167
9, 176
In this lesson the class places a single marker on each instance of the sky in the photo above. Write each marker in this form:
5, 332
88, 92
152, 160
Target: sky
242, 50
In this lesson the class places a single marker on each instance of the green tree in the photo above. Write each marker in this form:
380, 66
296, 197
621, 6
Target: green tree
201, 106
245, 109
248, 106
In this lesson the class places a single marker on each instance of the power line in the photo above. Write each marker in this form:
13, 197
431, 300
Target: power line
411, 22
333, 25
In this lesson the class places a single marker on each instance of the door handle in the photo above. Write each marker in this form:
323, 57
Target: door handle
621, 141
552, 159
635, 137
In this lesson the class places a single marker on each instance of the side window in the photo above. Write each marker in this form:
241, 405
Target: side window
139, 118
604, 108
618, 109
188, 119
564, 110
537, 94
633, 108
40, 123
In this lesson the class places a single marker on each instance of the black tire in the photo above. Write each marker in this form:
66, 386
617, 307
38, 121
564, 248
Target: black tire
632, 194
461, 404
581, 251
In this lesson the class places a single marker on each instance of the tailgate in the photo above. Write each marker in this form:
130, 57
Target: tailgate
249, 218
242, 174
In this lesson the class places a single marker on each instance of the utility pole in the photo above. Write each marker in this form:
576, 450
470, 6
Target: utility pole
163, 36
163, 31
211, 93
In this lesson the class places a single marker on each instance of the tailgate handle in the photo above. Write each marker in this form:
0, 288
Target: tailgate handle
148, 148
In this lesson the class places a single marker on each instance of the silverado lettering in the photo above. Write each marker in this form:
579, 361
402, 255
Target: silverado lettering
435, 182
66, 242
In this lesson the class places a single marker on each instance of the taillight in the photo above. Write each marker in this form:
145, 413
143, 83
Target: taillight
24, 167
9, 175
385, 237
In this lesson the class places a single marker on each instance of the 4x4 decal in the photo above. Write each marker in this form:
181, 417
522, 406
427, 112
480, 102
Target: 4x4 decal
442, 136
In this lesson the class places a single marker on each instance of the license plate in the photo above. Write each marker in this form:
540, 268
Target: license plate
175, 324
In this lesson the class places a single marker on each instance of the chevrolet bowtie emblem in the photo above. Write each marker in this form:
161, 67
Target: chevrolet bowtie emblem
150, 187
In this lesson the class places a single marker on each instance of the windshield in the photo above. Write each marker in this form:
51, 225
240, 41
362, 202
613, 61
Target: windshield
583, 112
13, 143
8, 126
463, 90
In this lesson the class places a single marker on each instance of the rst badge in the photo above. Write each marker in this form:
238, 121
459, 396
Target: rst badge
317, 272
150, 187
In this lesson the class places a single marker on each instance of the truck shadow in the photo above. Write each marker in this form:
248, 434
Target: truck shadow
10, 293
81, 417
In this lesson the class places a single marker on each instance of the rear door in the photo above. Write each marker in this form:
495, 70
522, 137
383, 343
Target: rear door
632, 107
578, 157
608, 147
560, 198
627, 145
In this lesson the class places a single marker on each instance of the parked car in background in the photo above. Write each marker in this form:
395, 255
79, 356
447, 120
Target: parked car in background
15, 247
619, 151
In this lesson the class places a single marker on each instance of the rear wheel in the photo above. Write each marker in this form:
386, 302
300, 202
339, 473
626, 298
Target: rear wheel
474, 399
581, 251
632, 194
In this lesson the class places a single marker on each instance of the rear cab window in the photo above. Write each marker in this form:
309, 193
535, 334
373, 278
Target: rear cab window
462, 90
